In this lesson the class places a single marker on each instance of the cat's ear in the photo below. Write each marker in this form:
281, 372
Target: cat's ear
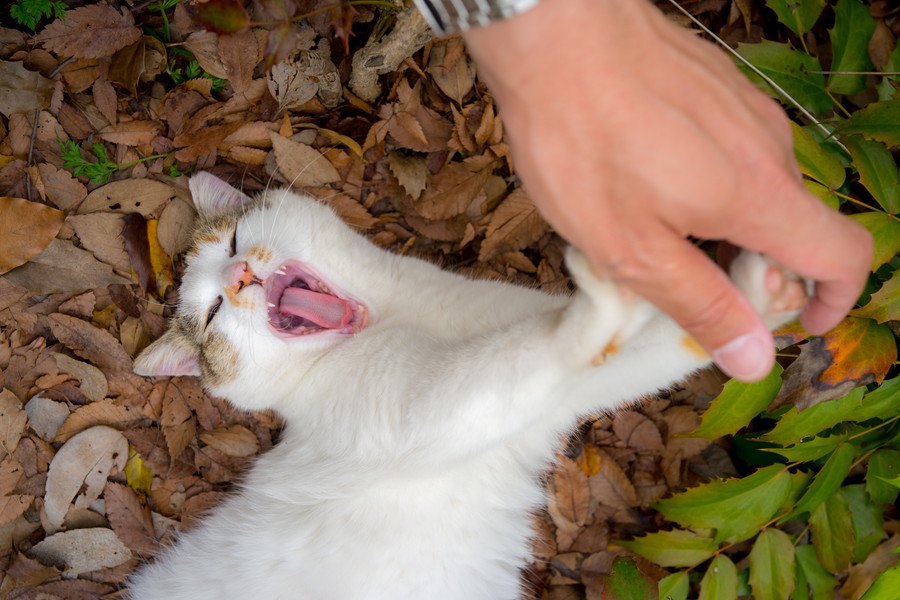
169, 356
211, 194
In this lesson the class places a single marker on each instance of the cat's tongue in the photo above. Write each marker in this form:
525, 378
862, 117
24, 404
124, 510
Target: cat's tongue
324, 310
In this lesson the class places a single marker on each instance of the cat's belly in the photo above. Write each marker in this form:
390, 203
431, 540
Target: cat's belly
459, 535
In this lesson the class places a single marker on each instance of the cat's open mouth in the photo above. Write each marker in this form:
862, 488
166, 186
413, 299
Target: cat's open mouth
301, 303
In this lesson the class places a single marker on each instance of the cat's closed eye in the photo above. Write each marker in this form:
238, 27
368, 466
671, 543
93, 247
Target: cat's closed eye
213, 309
232, 249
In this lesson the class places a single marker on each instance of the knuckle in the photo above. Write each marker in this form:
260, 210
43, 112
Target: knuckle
708, 315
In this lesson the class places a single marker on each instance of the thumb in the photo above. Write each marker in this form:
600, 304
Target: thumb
685, 284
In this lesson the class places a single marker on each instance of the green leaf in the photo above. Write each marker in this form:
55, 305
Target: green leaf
832, 533
627, 582
674, 587
815, 161
794, 425
885, 232
894, 482
735, 508
853, 28
737, 404
821, 583
827, 481
877, 171
879, 121
797, 15
822, 193
885, 587
884, 464
676, 548
720, 581
772, 566
884, 305
815, 448
789, 69
868, 521
883, 401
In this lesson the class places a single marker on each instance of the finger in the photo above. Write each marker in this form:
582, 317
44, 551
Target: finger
816, 242
680, 280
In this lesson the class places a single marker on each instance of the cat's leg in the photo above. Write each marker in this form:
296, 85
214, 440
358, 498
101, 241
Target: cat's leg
663, 353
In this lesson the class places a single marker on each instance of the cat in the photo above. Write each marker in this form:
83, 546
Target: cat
421, 407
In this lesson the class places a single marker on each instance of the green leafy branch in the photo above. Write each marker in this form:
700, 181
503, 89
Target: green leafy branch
98, 171
28, 13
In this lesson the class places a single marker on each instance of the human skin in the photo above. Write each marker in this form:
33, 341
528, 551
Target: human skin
631, 133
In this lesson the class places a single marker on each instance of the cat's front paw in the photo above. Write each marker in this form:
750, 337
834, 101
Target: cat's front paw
776, 293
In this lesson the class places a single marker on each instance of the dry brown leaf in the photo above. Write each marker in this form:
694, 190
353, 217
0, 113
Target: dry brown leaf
130, 519
93, 382
174, 229
11, 505
130, 133
240, 54
61, 187
514, 225
73, 589
101, 233
610, 486
572, 493
178, 423
104, 412
82, 550
144, 196
349, 210
452, 190
105, 99
12, 422
862, 576
22, 90
26, 229
451, 68
90, 342
411, 172
79, 469
680, 420
233, 440
45, 416
296, 81
62, 267
91, 31
637, 431
204, 45
302, 165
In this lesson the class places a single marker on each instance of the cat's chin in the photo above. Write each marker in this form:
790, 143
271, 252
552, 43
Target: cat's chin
302, 303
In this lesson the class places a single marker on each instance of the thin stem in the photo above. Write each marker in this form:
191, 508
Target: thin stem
140, 160
862, 204
871, 429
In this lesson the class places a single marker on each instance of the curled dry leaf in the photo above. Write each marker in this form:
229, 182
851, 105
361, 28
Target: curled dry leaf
82, 550
451, 68
22, 90
63, 268
79, 470
26, 229
103, 412
12, 422
91, 31
130, 519
309, 73
92, 380
302, 165
411, 172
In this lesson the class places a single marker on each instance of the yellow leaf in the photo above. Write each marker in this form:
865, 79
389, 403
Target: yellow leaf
159, 260
137, 474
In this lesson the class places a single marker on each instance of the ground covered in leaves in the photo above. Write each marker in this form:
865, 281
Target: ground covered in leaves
107, 112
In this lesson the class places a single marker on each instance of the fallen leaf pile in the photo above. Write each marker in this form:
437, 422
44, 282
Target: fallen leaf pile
100, 468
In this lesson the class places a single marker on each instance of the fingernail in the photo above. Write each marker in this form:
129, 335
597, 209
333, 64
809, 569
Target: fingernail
746, 357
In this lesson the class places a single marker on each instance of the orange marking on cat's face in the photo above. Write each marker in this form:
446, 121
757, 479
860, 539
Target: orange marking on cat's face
612, 347
260, 253
691, 345
207, 236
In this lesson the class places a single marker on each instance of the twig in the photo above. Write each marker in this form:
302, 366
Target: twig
34, 127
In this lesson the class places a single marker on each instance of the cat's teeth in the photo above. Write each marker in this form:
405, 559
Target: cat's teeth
280, 272
270, 305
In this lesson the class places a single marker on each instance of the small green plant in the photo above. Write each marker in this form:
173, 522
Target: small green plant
28, 13
99, 171
162, 6
174, 171
193, 70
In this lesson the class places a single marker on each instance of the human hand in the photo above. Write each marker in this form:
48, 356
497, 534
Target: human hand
630, 133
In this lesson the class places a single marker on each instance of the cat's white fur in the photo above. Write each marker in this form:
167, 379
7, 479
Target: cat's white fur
412, 454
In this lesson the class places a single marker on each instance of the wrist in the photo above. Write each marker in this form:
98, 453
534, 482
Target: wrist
451, 16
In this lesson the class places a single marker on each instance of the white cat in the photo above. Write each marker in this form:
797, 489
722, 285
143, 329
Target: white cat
421, 407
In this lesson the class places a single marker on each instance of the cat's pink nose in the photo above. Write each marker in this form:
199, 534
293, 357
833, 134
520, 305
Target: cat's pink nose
237, 275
